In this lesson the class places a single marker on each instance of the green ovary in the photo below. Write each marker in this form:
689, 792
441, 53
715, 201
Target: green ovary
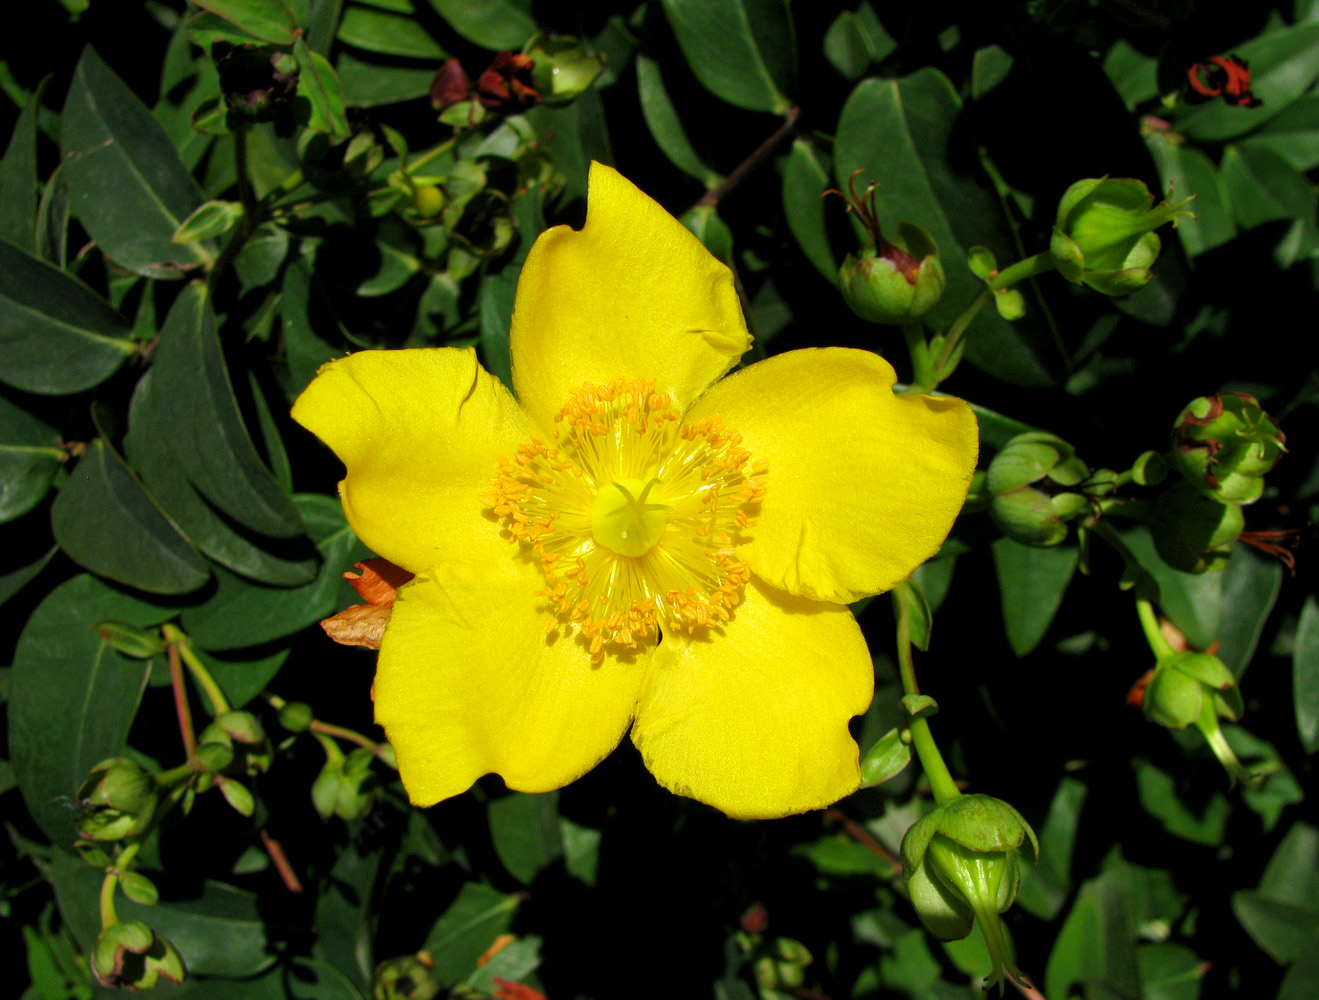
623, 521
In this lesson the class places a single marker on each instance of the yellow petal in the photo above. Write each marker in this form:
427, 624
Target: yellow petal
468, 683
863, 485
754, 721
632, 294
421, 432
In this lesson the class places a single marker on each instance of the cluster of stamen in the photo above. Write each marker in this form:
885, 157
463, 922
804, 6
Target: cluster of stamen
634, 519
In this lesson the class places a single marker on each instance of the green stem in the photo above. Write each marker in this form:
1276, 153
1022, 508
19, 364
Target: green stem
936, 771
1041, 263
219, 704
332, 752
1149, 622
957, 332
121, 864
923, 378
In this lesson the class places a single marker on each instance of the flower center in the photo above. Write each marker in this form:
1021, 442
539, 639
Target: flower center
623, 521
634, 518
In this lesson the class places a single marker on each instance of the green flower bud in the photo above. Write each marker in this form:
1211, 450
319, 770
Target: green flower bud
784, 968
428, 201
1029, 483
346, 786
961, 865
117, 800
245, 735
1224, 445
213, 757
894, 282
296, 716
1193, 533
409, 977
132, 956
1104, 233
562, 68
1176, 695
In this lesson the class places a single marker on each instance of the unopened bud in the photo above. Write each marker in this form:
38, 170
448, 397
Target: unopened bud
1225, 444
410, 977
562, 68
1034, 485
132, 956
242, 732
117, 800
1104, 233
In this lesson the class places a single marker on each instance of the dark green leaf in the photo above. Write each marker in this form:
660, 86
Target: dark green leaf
192, 391
345, 912
242, 614
1284, 930
1045, 887
1134, 74
665, 125
581, 850
268, 20
390, 34
1096, 947
14, 580
241, 680
1194, 603
18, 179
467, 928
128, 186
1292, 135
742, 51
283, 562
496, 312
29, 457
1169, 971
319, 84
1251, 584
804, 182
1187, 171
704, 223
1200, 823
512, 963
1305, 675
492, 24
312, 979
56, 335
72, 698
525, 831
106, 521
989, 68
211, 219
302, 314
53, 220
1031, 585
885, 759
904, 134
1263, 188
856, 40
366, 85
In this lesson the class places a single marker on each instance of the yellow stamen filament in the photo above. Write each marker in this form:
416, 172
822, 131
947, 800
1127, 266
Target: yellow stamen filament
634, 519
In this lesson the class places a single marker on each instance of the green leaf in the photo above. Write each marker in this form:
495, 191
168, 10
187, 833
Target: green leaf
1200, 823
704, 223
1096, 947
211, 219
581, 850
525, 832
14, 580
1251, 584
665, 125
1047, 882
1263, 188
1133, 74
1031, 585
192, 391
1187, 171
242, 614
18, 179
242, 679
856, 40
29, 458
804, 206
491, 24
1169, 971
280, 562
56, 335
268, 20
1305, 675
513, 962
466, 930
72, 698
319, 84
1293, 135
1283, 65
367, 85
389, 34
905, 134
742, 51
495, 306
130, 189
1284, 930
1194, 603
106, 521
885, 759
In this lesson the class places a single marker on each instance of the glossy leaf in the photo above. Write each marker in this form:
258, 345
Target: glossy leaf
1293, 135
242, 614
1251, 585
14, 580
903, 134
29, 457
1169, 971
367, 85
127, 184
18, 180
855, 40
665, 125
742, 51
1031, 584
492, 24
1187, 171
1048, 881
805, 207
72, 698
495, 305
270, 21
106, 521
192, 390
1194, 603
1263, 188
1096, 947
886, 759
388, 34
56, 335
319, 85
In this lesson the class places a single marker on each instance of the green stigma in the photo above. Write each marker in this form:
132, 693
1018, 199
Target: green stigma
622, 521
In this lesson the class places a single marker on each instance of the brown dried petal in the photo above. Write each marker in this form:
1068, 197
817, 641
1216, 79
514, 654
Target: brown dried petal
359, 625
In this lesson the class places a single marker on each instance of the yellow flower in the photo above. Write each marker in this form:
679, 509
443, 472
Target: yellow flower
631, 541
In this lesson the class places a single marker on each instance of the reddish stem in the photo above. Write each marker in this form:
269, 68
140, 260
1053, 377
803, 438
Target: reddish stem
181, 706
281, 862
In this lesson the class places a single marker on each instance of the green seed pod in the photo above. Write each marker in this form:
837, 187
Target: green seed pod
243, 732
409, 977
1224, 445
1104, 233
1028, 483
132, 956
894, 282
117, 800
